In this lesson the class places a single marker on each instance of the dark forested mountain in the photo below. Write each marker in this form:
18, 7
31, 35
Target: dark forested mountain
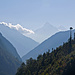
22, 43
52, 42
61, 61
9, 58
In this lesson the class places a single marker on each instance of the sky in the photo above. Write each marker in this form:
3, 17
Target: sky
32, 14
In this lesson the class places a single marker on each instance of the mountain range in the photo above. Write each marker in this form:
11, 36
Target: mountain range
22, 43
51, 43
27, 47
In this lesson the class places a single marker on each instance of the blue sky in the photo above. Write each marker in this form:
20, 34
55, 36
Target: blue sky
34, 13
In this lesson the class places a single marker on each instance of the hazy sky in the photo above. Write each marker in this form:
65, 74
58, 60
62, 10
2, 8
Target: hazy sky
35, 13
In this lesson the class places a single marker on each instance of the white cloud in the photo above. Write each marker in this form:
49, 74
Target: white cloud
19, 28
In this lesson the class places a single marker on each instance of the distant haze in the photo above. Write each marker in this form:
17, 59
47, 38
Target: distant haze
40, 34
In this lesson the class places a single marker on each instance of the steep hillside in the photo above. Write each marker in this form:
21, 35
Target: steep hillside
9, 58
22, 43
60, 61
54, 41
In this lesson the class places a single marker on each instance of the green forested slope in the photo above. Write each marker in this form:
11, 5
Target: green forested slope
60, 61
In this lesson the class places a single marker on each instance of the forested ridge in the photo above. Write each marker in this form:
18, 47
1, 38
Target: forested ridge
61, 61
